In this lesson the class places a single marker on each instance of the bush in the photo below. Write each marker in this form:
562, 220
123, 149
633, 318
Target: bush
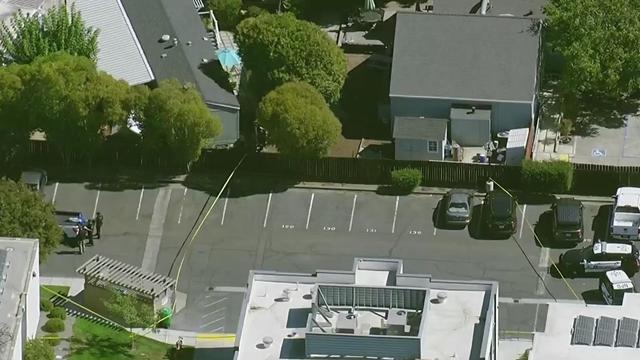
58, 313
405, 180
38, 349
53, 326
46, 305
254, 11
53, 341
547, 176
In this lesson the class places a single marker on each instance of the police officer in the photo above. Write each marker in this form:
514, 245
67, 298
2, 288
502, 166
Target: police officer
99, 219
89, 229
80, 238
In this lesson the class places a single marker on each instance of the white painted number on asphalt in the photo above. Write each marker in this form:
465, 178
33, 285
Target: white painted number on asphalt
288, 227
371, 230
329, 228
415, 232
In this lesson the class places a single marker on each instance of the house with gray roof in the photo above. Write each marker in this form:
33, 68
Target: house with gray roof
524, 8
445, 61
188, 56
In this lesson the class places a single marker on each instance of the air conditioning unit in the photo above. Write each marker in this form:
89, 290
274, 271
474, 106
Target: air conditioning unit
347, 323
396, 322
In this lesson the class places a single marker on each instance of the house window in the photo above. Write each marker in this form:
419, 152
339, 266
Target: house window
432, 146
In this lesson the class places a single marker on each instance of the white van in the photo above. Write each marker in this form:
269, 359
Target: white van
625, 217
613, 285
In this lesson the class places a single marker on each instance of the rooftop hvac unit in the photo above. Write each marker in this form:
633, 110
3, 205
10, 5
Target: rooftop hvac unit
346, 324
396, 322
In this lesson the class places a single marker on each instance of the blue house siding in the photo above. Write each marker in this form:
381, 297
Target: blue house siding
504, 116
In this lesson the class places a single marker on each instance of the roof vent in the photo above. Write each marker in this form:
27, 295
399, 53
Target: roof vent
165, 38
189, 43
442, 297
267, 341
472, 110
9, 249
163, 55
204, 61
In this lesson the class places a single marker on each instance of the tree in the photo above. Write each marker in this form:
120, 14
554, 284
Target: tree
227, 12
60, 29
276, 49
25, 214
598, 42
176, 123
131, 310
38, 349
298, 120
73, 103
14, 130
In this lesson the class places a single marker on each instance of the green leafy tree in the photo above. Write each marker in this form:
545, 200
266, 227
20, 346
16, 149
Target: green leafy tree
73, 103
298, 120
38, 349
14, 130
61, 29
176, 123
131, 310
25, 214
598, 42
276, 49
227, 12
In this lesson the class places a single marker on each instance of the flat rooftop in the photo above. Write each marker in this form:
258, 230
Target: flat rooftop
17, 257
579, 332
373, 308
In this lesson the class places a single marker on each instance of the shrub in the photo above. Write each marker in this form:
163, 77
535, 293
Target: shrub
547, 176
53, 341
53, 326
46, 305
58, 313
227, 12
405, 180
254, 11
38, 349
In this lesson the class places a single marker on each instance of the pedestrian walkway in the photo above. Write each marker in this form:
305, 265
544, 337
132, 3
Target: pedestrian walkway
189, 338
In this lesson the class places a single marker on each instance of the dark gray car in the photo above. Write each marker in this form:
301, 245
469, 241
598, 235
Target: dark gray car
457, 206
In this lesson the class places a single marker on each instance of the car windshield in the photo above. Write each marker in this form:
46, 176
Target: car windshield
458, 207
501, 206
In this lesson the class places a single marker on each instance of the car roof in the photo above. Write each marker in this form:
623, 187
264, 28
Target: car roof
611, 248
500, 201
617, 277
628, 196
568, 211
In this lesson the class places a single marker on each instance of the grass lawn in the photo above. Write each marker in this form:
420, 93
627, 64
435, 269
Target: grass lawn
93, 341
44, 294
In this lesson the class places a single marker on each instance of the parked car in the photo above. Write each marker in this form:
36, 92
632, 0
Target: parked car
70, 222
457, 206
601, 257
499, 213
567, 223
624, 223
35, 179
613, 285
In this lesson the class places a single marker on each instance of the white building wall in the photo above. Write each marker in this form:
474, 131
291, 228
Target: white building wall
32, 307
19, 344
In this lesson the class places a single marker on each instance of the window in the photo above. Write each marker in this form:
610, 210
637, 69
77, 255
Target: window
432, 146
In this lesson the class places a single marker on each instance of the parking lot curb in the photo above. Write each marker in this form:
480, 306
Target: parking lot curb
428, 191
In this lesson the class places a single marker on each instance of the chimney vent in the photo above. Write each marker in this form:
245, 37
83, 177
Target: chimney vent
442, 297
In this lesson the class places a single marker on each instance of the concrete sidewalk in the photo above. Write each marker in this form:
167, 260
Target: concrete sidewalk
189, 338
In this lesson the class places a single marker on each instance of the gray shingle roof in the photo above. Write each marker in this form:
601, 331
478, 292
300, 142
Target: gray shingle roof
465, 57
119, 52
177, 18
419, 128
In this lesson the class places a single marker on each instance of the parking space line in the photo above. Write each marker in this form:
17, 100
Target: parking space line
214, 312
95, 206
266, 214
184, 195
309, 212
524, 211
211, 322
139, 203
543, 264
353, 210
55, 192
224, 208
395, 216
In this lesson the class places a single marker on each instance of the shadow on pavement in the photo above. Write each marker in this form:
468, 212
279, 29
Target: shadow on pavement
241, 185
592, 297
600, 225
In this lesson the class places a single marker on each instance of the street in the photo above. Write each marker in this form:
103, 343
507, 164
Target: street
301, 230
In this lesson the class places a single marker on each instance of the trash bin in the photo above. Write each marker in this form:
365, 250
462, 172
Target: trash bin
167, 315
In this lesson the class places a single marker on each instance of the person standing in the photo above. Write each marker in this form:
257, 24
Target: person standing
98, 223
80, 239
89, 229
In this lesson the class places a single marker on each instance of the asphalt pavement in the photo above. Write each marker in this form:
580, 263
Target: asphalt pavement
270, 226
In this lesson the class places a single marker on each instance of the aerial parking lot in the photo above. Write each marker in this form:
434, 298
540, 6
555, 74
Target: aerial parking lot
301, 230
